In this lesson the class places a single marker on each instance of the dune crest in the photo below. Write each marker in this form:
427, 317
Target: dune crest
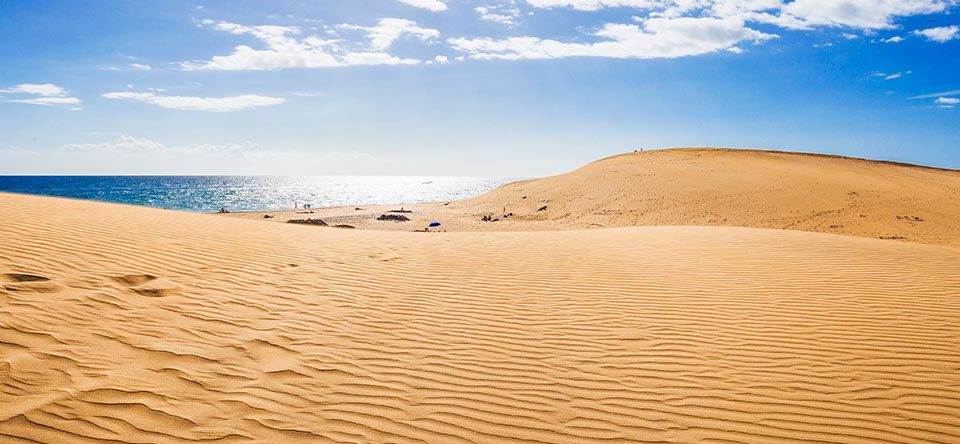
245, 331
744, 188
706, 187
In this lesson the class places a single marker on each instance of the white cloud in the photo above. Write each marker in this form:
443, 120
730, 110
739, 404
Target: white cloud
938, 94
798, 14
652, 38
940, 34
48, 101
130, 67
374, 58
677, 28
505, 14
137, 155
893, 76
40, 89
215, 104
948, 102
388, 30
593, 5
141, 145
439, 60
49, 93
122, 144
432, 5
861, 14
665, 28
223, 149
284, 49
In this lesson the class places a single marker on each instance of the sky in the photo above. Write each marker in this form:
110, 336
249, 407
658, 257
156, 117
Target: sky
505, 88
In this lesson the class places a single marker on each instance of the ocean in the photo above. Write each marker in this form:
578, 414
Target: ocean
253, 193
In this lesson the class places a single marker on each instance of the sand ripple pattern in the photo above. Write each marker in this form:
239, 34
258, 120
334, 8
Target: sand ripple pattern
124, 324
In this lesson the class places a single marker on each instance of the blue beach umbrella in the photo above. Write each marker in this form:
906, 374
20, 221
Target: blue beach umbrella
434, 224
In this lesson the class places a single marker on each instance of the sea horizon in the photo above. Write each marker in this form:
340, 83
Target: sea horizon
208, 193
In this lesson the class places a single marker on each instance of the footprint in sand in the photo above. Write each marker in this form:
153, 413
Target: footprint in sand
385, 257
148, 285
19, 277
273, 358
134, 279
910, 218
29, 283
389, 255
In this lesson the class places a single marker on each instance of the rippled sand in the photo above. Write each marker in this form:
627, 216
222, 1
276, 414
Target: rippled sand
130, 324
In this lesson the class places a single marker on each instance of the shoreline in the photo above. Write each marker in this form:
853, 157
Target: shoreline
688, 187
696, 187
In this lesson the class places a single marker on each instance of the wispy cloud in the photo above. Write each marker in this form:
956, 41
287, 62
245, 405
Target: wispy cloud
212, 104
48, 101
947, 102
40, 89
592, 5
432, 5
893, 76
49, 94
798, 14
679, 28
134, 145
126, 154
662, 29
652, 38
504, 13
388, 30
940, 34
858, 14
122, 144
953, 92
287, 48
129, 67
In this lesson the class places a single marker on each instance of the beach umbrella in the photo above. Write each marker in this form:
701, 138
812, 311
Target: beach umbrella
434, 224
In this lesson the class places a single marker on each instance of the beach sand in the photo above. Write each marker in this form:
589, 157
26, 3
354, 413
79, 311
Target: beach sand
131, 324
703, 187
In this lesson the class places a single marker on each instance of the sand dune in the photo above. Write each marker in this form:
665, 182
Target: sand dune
131, 324
709, 187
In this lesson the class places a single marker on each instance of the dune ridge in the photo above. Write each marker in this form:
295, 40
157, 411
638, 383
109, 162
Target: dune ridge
707, 187
126, 324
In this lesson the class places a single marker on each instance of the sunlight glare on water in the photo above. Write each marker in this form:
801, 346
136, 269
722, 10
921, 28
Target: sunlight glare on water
240, 193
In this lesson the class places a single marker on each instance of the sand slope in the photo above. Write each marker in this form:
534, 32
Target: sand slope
140, 325
709, 187
748, 189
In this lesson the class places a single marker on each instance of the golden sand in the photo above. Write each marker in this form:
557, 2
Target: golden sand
705, 187
131, 324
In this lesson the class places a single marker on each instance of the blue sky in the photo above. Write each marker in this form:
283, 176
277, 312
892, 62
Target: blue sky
451, 87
